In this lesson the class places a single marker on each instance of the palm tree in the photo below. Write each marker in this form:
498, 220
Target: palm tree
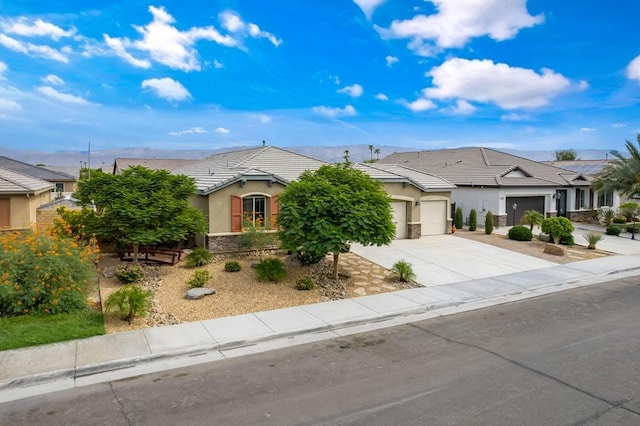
532, 218
346, 156
622, 174
371, 151
377, 151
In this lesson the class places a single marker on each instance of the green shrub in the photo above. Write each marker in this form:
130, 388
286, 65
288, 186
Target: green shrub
304, 283
458, 220
488, 223
631, 228
44, 273
198, 257
403, 270
557, 227
271, 269
473, 220
232, 266
619, 219
520, 233
129, 301
567, 240
129, 273
199, 278
308, 258
255, 237
612, 230
629, 210
592, 239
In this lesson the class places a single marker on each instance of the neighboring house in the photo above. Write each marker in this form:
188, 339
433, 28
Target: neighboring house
240, 186
590, 168
505, 184
20, 197
64, 183
120, 164
46, 213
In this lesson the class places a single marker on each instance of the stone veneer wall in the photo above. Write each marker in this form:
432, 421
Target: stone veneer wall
499, 221
223, 243
586, 216
414, 231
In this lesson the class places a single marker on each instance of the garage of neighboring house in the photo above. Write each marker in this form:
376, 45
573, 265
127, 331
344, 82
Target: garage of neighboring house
399, 215
433, 217
522, 204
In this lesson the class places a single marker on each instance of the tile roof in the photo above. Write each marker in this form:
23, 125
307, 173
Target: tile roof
426, 182
35, 171
16, 183
486, 167
168, 164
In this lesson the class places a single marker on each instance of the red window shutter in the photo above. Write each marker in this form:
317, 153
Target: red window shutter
273, 208
236, 214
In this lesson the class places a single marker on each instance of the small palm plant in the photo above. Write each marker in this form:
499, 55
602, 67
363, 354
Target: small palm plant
607, 215
532, 218
403, 271
592, 239
130, 301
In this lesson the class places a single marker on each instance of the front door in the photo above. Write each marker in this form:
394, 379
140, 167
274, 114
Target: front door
561, 202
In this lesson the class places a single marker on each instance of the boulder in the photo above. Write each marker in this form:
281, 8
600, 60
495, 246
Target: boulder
199, 292
110, 271
555, 249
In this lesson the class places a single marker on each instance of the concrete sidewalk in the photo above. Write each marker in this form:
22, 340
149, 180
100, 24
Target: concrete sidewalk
48, 368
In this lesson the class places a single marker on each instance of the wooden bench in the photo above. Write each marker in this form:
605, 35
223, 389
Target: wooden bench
152, 254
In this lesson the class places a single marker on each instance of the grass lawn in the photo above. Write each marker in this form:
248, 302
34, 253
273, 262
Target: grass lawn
30, 330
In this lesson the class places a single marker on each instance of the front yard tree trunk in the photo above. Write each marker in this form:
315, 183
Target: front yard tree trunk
335, 265
135, 253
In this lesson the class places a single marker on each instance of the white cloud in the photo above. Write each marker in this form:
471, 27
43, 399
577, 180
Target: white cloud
463, 108
233, 23
165, 44
618, 125
419, 105
487, 82
458, 21
633, 69
222, 130
368, 6
391, 60
188, 131
53, 79
515, 117
34, 49
382, 97
38, 28
9, 105
587, 129
62, 97
331, 112
3, 69
167, 88
355, 90
262, 118
583, 85
217, 64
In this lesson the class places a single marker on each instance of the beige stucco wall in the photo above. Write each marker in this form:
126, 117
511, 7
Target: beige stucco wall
220, 202
411, 194
23, 209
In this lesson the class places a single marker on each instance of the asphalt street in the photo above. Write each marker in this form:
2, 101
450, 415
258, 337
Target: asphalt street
561, 359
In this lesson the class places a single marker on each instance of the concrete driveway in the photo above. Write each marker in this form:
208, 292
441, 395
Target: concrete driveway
445, 259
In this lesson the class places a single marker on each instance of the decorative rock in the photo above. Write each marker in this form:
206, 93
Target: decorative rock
555, 249
360, 291
110, 271
292, 260
199, 292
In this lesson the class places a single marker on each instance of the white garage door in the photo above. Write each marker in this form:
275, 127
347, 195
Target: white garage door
433, 217
399, 213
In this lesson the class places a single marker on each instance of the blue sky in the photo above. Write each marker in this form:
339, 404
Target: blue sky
428, 74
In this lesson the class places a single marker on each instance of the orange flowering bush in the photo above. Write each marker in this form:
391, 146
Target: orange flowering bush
45, 272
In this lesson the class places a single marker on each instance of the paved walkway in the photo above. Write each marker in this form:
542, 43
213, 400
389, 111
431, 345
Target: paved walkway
456, 281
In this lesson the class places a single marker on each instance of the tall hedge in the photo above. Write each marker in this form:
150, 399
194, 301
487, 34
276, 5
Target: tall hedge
458, 220
488, 223
473, 220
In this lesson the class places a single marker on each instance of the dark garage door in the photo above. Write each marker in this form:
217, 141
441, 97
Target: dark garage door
522, 205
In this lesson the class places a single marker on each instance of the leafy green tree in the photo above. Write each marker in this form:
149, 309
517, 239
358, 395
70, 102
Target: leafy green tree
622, 174
532, 218
566, 155
557, 227
141, 207
328, 209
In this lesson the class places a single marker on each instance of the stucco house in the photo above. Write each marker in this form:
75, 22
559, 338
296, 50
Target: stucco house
64, 183
20, 197
505, 184
236, 186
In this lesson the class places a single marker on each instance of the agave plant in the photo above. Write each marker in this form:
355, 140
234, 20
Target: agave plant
592, 239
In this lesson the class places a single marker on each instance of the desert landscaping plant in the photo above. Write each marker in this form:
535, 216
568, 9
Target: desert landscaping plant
232, 266
532, 218
199, 278
607, 215
129, 273
304, 283
557, 227
629, 211
612, 230
592, 239
130, 301
271, 269
458, 218
488, 223
473, 220
520, 233
403, 270
199, 256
